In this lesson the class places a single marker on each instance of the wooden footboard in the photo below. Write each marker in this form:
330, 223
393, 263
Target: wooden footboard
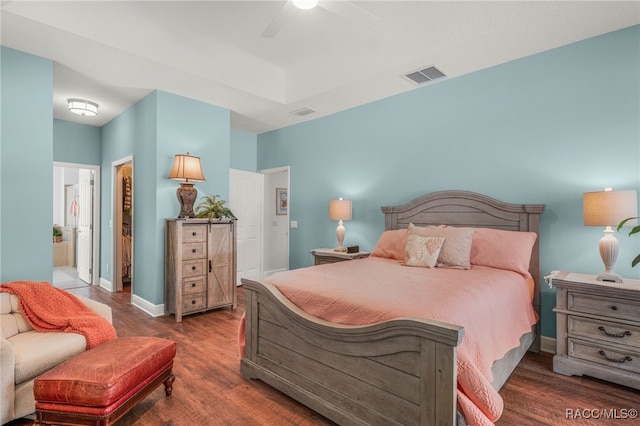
398, 372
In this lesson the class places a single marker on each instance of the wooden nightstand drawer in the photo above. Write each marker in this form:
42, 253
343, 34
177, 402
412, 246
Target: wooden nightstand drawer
604, 330
193, 233
193, 268
611, 307
194, 250
193, 285
605, 355
194, 302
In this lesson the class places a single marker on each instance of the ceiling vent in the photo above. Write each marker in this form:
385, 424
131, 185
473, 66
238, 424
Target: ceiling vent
301, 112
424, 75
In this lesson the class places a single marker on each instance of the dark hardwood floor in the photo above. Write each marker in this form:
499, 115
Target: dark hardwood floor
209, 389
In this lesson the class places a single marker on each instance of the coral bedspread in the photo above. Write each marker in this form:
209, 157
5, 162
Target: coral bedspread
493, 305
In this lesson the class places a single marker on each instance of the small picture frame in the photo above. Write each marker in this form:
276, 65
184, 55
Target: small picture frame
282, 201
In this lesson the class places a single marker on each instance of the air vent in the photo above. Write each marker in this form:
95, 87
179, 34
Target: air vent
424, 75
303, 111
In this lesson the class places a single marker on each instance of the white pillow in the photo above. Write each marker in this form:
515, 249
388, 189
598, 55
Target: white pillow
422, 251
456, 249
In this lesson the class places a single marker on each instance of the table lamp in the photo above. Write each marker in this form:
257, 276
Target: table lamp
187, 169
340, 210
608, 208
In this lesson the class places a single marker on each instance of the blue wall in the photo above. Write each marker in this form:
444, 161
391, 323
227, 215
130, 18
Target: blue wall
244, 148
26, 167
543, 129
76, 143
153, 131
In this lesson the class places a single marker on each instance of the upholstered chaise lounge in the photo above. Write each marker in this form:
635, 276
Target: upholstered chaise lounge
26, 353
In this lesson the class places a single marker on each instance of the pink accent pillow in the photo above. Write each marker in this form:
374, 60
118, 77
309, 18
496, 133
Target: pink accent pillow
391, 244
510, 250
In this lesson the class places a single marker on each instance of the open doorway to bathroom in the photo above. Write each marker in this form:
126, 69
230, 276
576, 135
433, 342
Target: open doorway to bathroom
76, 207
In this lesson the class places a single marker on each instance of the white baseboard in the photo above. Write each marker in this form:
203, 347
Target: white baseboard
548, 344
146, 306
106, 284
275, 271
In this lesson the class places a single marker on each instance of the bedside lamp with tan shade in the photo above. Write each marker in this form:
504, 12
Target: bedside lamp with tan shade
340, 210
608, 208
187, 169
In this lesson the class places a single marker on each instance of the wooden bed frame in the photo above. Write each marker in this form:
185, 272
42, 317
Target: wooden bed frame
396, 372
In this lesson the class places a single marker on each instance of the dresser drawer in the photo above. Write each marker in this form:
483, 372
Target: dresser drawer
604, 330
193, 268
192, 233
193, 285
194, 250
194, 302
614, 308
623, 359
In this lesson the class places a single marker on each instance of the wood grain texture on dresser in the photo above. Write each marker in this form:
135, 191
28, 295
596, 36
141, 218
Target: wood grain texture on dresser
200, 265
598, 328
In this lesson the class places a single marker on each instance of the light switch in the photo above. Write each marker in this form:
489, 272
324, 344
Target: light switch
294, 224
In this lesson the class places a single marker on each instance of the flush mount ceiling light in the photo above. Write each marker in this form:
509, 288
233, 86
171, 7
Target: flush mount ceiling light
83, 107
305, 4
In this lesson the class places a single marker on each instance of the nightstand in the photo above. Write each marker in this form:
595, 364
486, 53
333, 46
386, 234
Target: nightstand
598, 328
328, 255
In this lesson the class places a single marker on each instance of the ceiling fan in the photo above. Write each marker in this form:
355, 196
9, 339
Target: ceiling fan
343, 8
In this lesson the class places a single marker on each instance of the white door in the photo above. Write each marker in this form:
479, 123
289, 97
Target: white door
85, 233
246, 203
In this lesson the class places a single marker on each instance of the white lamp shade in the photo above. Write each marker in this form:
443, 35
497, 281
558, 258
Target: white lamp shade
186, 167
340, 209
609, 208
305, 4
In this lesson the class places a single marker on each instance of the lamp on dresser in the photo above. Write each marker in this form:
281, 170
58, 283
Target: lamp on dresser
187, 169
340, 210
608, 208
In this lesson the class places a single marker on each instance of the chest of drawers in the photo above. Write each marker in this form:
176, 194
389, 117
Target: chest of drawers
200, 266
598, 328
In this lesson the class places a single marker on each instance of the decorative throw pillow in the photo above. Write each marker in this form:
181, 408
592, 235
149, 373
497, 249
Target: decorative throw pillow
391, 244
456, 248
422, 251
501, 249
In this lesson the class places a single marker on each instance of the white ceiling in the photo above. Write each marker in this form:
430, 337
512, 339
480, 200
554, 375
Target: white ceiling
330, 58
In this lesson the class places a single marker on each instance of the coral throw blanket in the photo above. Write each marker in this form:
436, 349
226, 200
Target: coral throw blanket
50, 309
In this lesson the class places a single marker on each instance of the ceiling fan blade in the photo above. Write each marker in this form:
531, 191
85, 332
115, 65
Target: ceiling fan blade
349, 10
278, 21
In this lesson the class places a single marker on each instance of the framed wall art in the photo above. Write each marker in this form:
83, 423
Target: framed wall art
282, 201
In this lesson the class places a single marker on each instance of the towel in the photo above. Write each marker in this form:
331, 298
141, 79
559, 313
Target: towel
50, 309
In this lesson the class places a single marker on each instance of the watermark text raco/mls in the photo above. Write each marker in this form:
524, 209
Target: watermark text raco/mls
601, 413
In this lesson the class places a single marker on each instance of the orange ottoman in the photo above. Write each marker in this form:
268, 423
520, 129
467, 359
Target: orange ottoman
98, 386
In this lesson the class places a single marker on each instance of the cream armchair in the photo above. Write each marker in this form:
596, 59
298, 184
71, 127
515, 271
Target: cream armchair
26, 353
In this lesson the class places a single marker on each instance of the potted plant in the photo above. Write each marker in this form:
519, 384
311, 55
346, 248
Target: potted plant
211, 207
634, 230
57, 235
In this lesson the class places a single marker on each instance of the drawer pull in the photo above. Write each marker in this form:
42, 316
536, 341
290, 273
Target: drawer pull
209, 265
618, 335
193, 284
193, 302
614, 308
193, 250
193, 234
193, 268
619, 360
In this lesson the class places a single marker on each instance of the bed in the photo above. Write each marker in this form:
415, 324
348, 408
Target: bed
397, 371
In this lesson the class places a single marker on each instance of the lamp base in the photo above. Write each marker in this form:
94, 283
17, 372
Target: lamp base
340, 249
609, 277
187, 195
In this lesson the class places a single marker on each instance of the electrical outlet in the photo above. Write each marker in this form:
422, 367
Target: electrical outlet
107, 267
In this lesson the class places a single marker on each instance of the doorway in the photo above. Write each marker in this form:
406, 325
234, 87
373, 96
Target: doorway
76, 208
252, 198
122, 202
